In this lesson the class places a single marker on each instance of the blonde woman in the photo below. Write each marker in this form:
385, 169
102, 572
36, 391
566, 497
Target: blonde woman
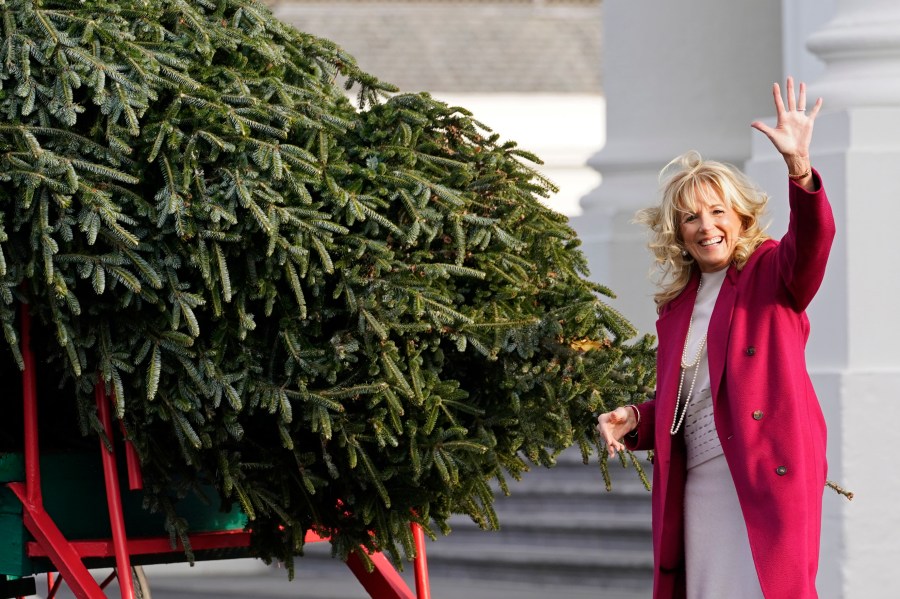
736, 427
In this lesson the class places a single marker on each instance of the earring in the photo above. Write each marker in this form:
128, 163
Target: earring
684, 253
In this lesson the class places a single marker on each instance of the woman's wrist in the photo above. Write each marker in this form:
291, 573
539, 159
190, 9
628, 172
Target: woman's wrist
801, 176
800, 171
799, 167
637, 418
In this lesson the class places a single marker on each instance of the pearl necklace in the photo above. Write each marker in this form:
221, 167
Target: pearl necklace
685, 365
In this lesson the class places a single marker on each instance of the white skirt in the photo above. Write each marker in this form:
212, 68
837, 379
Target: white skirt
717, 551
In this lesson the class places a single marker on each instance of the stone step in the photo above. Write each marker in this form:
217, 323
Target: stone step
569, 468
330, 579
557, 529
574, 496
571, 462
626, 481
536, 564
543, 565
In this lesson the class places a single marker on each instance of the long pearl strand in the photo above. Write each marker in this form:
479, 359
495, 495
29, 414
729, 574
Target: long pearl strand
685, 365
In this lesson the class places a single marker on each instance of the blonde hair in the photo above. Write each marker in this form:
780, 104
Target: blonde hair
683, 182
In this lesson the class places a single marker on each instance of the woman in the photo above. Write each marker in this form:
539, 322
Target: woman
737, 431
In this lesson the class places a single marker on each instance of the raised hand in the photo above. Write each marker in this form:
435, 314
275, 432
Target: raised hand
792, 133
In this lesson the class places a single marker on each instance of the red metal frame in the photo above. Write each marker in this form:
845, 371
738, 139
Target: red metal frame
423, 585
66, 555
114, 497
34, 516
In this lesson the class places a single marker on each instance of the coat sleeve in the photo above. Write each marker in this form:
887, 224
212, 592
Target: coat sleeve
642, 437
803, 251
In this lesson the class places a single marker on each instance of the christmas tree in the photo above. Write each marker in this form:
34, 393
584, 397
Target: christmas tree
345, 316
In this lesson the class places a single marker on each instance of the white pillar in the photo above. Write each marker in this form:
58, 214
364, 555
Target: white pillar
853, 351
677, 76
861, 48
800, 19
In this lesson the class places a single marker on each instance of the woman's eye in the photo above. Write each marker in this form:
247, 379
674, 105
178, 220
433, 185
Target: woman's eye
689, 217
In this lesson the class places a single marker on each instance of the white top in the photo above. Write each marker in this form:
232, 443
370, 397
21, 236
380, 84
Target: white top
700, 435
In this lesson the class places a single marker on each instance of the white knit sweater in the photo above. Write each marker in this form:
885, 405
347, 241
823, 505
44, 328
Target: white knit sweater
699, 427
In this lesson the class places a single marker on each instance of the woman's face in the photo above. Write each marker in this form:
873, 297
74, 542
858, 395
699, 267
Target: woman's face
710, 230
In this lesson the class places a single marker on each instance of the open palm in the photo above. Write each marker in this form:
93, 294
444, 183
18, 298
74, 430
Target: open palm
792, 132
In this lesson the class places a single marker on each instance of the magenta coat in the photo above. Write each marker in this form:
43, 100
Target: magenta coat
766, 411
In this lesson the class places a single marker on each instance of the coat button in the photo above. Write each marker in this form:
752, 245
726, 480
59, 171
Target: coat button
781, 470
750, 351
757, 415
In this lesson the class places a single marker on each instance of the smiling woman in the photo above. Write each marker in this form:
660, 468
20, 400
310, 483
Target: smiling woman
709, 214
710, 229
737, 430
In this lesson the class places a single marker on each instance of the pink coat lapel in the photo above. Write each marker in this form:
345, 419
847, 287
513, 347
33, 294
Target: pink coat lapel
672, 327
719, 329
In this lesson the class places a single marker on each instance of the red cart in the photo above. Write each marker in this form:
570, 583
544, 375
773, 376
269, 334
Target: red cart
38, 536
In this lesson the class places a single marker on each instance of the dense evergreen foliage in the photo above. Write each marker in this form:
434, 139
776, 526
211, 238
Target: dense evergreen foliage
346, 317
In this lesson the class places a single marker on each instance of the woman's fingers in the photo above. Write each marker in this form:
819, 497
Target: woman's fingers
761, 126
792, 131
815, 109
606, 425
779, 103
791, 103
613, 448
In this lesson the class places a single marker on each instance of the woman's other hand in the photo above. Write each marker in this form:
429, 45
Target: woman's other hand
793, 129
613, 426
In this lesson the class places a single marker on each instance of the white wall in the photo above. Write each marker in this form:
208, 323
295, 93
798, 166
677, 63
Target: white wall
564, 130
683, 75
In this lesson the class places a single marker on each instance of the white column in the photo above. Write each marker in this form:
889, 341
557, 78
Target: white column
861, 47
677, 76
853, 351
800, 19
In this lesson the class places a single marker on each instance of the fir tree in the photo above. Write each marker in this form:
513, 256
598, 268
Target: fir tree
345, 317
